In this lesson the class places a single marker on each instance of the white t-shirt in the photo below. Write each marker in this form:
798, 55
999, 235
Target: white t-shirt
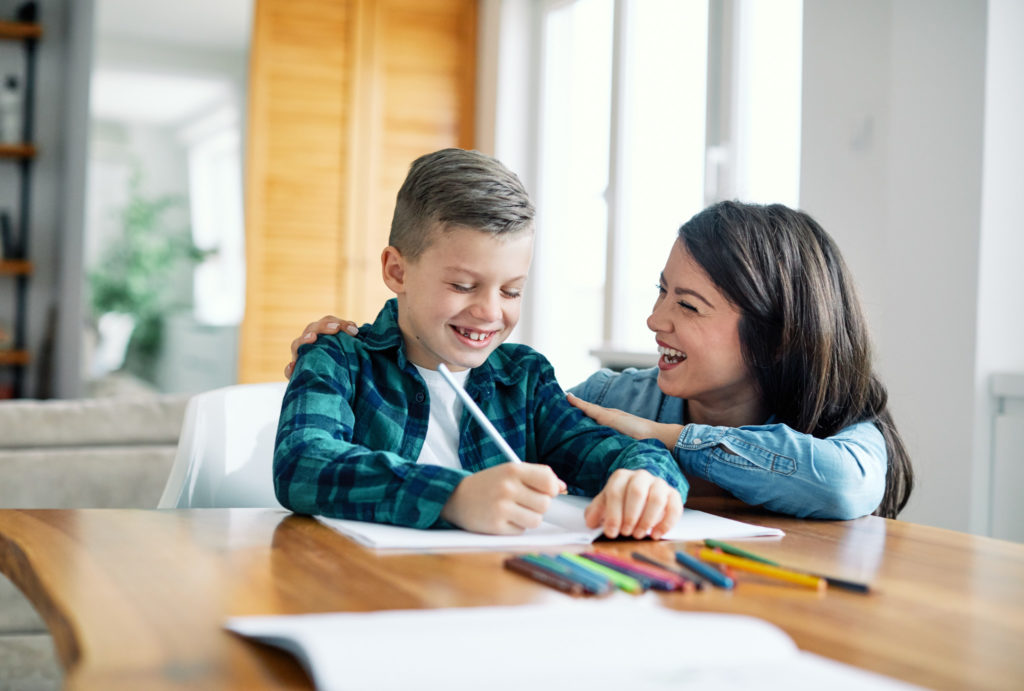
441, 447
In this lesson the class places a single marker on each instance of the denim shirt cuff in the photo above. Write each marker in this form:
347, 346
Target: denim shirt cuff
697, 437
691, 447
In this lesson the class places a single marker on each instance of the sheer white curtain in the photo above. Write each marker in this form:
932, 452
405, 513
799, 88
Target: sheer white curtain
215, 191
631, 116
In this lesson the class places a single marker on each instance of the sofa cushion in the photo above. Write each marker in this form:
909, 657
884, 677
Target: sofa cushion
17, 615
92, 421
29, 663
95, 477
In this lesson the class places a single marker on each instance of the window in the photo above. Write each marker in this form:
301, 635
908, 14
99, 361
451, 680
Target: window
648, 111
568, 273
215, 187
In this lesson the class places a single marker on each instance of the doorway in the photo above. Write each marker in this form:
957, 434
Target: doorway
163, 250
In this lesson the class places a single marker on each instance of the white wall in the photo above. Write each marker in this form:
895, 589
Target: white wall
1000, 330
897, 136
928, 338
74, 142
846, 132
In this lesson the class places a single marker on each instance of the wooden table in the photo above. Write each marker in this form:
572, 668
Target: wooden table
136, 599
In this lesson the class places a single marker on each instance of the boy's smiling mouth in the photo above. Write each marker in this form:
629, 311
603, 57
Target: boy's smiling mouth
476, 338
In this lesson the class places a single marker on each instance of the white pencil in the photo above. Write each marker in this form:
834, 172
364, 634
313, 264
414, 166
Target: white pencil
492, 432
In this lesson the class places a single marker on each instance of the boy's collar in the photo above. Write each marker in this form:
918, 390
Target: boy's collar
386, 335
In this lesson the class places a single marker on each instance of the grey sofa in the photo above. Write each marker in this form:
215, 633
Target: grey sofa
92, 453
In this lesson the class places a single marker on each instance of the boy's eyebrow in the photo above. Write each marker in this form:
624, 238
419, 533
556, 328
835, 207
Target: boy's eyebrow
476, 275
686, 291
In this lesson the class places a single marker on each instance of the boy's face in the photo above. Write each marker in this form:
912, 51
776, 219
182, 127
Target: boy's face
460, 299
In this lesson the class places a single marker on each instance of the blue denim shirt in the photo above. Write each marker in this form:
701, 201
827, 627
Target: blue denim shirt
770, 465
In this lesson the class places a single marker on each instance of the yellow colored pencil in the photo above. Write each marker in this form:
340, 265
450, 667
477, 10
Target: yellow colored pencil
763, 569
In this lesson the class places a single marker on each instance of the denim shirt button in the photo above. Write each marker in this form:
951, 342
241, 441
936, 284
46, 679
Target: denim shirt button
420, 397
697, 440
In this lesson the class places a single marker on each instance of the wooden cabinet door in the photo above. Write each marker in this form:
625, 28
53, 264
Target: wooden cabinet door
343, 95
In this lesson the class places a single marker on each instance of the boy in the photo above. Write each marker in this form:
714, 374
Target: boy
370, 431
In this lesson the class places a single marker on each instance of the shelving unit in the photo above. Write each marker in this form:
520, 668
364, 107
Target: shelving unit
17, 271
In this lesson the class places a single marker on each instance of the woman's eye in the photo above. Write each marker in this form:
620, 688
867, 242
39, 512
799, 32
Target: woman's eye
512, 294
459, 288
686, 305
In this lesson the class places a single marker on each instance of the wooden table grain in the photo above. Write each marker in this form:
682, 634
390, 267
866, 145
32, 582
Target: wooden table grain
137, 599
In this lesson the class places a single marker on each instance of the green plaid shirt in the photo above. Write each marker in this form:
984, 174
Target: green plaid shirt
355, 414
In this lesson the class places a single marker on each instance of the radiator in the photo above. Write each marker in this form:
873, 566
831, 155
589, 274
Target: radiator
1007, 506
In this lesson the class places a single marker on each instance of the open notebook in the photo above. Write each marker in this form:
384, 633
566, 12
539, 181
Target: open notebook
597, 644
563, 525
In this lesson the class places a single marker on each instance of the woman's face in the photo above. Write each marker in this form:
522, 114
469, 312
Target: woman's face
697, 331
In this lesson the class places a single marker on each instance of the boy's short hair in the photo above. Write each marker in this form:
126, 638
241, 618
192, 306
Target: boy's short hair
457, 188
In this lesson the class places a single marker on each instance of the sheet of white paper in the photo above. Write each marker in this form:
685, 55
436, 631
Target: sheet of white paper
697, 525
563, 525
608, 643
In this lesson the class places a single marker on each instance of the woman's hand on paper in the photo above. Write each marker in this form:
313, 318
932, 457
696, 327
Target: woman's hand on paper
325, 325
635, 503
505, 499
630, 425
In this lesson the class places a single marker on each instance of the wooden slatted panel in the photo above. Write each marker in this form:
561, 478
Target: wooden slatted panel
296, 152
421, 98
344, 95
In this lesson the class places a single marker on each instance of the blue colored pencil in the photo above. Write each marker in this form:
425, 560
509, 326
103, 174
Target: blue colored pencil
704, 570
600, 582
590, 582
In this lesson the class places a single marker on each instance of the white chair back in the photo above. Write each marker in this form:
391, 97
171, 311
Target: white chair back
226, 449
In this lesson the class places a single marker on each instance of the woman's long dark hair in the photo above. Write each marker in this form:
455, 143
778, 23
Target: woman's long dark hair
802, 330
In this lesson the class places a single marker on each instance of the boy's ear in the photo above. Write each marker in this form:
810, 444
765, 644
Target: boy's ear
392, 265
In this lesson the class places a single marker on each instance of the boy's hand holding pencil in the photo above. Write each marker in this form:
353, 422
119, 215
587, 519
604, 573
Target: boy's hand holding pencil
503, 500
632, 502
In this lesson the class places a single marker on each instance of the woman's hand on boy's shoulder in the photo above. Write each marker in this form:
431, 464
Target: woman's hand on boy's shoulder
325, 325
628, 424
635, 503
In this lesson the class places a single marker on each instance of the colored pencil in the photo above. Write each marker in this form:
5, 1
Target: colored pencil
647, 578
621, 581
593, 583
691, 581
583, 573
762, 569
545, 576
674, 580
853, 586
736, 551
704, 570
475, 411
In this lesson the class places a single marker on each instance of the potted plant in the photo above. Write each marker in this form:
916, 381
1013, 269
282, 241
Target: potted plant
133, 284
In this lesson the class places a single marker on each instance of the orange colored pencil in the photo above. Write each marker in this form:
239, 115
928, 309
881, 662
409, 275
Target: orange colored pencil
762, 569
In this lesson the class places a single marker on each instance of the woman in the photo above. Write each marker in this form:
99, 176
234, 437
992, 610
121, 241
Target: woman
764, 386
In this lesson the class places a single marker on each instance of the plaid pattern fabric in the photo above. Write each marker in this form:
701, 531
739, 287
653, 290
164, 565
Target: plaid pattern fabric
354, 418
